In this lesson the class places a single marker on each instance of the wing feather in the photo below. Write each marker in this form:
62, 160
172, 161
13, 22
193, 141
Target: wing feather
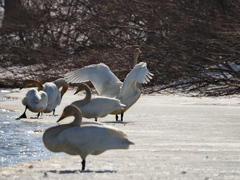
99, 74
139, 74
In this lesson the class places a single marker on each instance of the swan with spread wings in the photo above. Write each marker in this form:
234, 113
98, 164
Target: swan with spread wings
107, 84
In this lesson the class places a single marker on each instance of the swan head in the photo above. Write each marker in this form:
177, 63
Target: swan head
81, 87
137, 51
30, 82
72, 110
62, 83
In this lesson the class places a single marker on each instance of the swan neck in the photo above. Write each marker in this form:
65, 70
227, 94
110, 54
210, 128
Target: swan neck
36, 83
62, 83
86, 99
88, 93
135, 59
77, 119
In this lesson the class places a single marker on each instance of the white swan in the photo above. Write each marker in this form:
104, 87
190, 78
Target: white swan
79, 139
98, 106
107, 84
54, 95
35, 100
52, 91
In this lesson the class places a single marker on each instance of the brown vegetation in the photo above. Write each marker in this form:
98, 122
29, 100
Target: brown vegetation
188, 45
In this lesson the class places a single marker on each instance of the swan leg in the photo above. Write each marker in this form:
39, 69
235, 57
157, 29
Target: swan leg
116, 117
96, 119
53, 112
121, 116
24, 114
83, 164
38, 115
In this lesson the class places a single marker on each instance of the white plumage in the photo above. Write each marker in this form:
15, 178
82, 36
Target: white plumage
46, 99
104, 81
35, 99
54, 94
107, 84
98, 106
83, 139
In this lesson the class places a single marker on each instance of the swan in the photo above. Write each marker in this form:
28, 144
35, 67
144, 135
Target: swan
54, 95
96, 107
52, 91
77, 138
107, 84
35, 100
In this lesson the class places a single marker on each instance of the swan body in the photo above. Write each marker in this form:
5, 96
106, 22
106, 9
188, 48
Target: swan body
35, 99
81, 139
107, 84
98, 106
48, 93
131, 88
54, 94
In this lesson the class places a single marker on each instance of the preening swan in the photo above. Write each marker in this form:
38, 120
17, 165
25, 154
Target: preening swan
78, 139
107, 84
96, 107
50, 89
36, 99
54, 95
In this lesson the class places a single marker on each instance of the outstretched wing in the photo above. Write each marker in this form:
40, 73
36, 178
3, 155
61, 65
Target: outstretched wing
139, 74
105, 82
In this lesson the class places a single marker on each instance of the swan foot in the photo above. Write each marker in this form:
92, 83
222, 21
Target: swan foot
22, 116
83, 164
96, 119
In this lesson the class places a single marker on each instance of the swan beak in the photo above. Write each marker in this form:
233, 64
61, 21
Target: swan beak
131, 143
78, 90
61, 118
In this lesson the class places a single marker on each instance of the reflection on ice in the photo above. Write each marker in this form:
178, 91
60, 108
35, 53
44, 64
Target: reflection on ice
20, 141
